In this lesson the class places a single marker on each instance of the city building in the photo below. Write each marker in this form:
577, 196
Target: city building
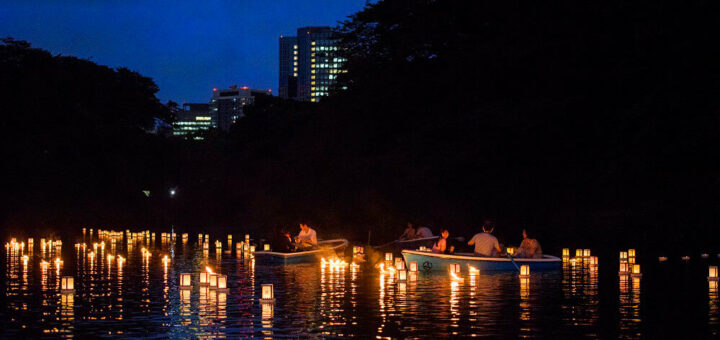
288, 68
314, 63
193, 118
227, 104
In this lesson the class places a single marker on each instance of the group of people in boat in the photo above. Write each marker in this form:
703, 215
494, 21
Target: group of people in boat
485, 243
306, 239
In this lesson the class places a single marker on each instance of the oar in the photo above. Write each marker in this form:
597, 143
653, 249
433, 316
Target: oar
385, 245
513, 262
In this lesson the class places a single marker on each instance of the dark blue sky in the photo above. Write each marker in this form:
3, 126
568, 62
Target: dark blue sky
188, 47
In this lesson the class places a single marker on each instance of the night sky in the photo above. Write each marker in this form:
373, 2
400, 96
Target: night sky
188, 47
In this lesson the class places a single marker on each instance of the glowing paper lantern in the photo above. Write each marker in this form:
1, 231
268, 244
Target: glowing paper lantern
593, 261
631, 252
267, 247
662, 258
213, 280
510, 250
402, 275
631, 260
399, 264
268, 293
623, 256
204, 278
586, 252
185, 280
578, 252
455, 268
206, 245
624, 267
636, 271
389, 257
524, 270
413, 266
713, 273
358, 250
412, 276
252, 248
566, 252
247, 238
67, 284
222, 283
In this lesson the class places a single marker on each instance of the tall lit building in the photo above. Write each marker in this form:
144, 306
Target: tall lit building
227, 104
288, 68
193, 118
314, 63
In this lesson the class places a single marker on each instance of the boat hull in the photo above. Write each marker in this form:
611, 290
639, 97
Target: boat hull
431, 262
327, 249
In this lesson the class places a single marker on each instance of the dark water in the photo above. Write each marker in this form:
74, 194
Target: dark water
142, 299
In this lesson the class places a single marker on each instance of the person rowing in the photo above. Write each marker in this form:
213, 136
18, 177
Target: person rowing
423, 232
306, 239
485, 243
409, 233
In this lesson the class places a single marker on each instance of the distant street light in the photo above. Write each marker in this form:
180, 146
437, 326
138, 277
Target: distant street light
172, 192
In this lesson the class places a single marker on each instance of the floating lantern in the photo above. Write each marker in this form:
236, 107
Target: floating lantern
67, 284
593, 261
204, 281
510, 251
358, 250
713, 273
586, 252
222, 283
206, 245
636, 271
631, 252
213, 280
268, 293
566, 252
247, 238
185, 280
473, 270
389, 257
252, 249
578, 252
624, 268
686, 258
524, 271
267, 247
704, 256
399, 264
623, 256
229, 238
631, 260
662, 258
413, 265
455, 268
218, 245
402, 275
207, 237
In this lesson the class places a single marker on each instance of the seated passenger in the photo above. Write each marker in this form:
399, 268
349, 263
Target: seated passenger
423, 232
485, 243
306, 239
284, 242
443, 246
529, 248
409, 233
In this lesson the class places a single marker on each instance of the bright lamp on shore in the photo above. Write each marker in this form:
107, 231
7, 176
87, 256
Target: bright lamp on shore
413, 266
713, 273
524, 270
67, 284
185, 280
268, 293
389, 257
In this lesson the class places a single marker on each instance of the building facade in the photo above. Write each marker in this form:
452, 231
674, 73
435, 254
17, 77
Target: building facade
227, 104
314, 63
193, 118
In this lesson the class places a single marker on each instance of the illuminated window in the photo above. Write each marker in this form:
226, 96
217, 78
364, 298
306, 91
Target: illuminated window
312, 43
312, 77
295, 47
295, 74
295, 58
295, 63
295, 52
312, 83
312, 88
312, 60
295, 69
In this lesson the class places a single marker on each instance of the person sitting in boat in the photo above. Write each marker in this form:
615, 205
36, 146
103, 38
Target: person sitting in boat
284, 242
423, 232
306, 239
485, 243
443, 246
409, 233
529, 247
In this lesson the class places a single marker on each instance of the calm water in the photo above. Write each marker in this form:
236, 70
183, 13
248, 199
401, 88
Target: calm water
141, 298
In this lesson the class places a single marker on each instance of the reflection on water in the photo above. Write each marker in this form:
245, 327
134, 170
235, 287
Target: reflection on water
129, 287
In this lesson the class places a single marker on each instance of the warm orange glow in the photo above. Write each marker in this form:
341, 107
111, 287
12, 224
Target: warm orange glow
267, 247
213, 280
268, 292
413, 266
578, 252
402, 275
399, 264
222, 282
388, 257
510, 250
524, 270
631, 252
67, 283
208, 269
636, 270
185, 280
623, 256
586, 252
455, 268
713, 273
566, 252
473, 270
624, 266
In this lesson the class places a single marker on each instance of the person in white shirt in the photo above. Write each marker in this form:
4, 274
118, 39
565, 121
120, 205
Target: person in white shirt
423, 232
485, 243
307, 238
